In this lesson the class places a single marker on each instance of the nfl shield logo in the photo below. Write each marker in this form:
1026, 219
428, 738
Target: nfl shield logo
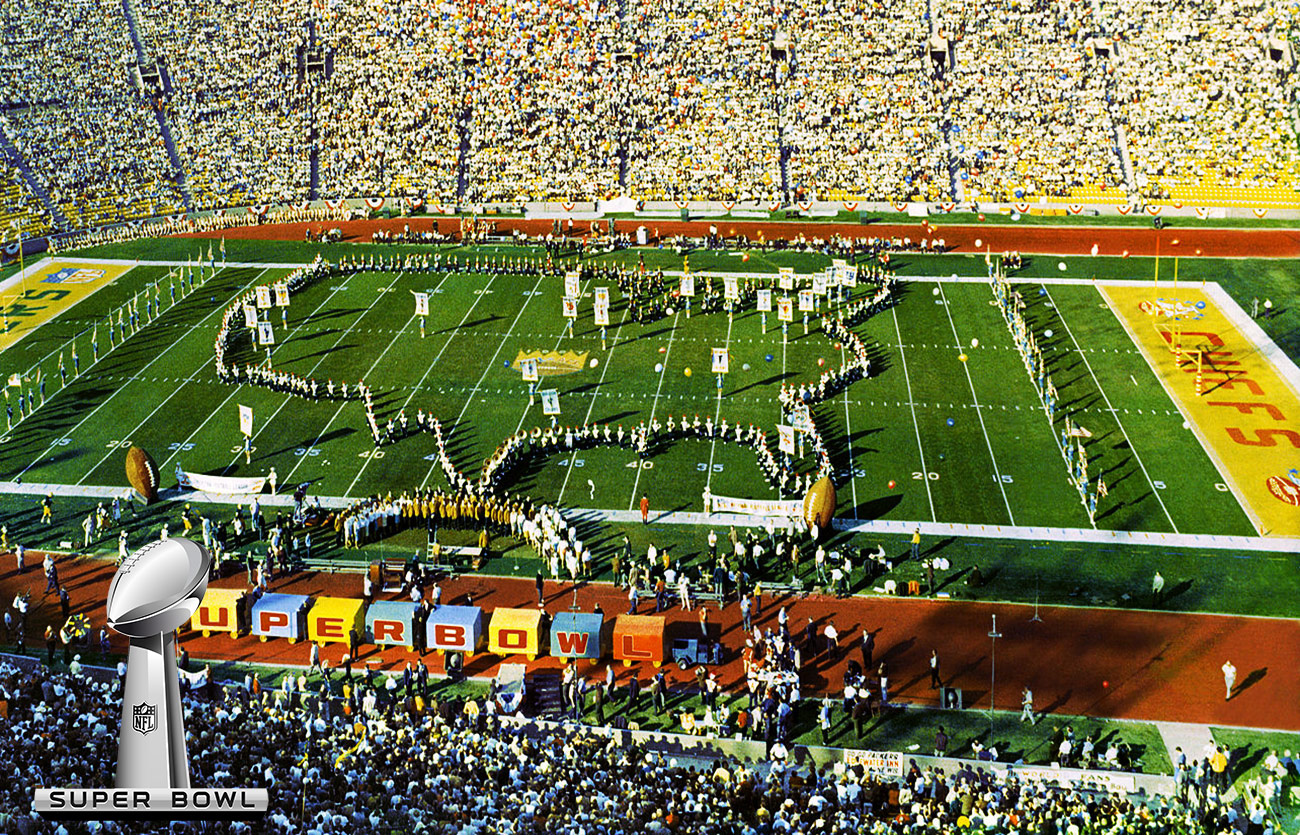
144, 718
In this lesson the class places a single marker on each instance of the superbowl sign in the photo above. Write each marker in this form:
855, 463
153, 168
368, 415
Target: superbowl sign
784, 309
721, 360
246, 420
144, 718
688, 286
765, 300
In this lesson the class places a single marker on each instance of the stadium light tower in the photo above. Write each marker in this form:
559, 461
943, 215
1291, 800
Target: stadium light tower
17, 226
994, 634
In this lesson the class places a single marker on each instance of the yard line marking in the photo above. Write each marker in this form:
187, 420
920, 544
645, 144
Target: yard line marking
236, 389
713, 442
324, 354
978, 412
119, 390
1106, 400
559, 500
483, 376
907, 377
559, 340
416, 388
848, 440
667, 351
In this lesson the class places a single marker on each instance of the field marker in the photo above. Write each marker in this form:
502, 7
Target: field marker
1135, 382
1106, 400
118, 391
451, 427
916, 426
980, 414
667, 351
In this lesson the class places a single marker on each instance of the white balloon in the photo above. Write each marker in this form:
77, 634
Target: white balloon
974, 343
659, 366
1047, 333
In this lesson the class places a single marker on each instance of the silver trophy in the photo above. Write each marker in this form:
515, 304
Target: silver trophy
154, 592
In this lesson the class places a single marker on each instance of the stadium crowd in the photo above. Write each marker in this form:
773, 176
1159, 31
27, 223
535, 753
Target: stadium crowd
399, 754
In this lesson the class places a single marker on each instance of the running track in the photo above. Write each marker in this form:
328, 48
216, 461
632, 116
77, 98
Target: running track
1055, 240
1160, 666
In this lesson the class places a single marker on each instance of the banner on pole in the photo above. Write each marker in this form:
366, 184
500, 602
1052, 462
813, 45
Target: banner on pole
806, 301
282, 294
265, 334
786, 437
765, 300
421, 303
550, 402
246, 420
250, 316
784, 309
731, 288
570, 308
571, 285
785, 278
263, 297
528, 368
849, 277
819, 284
602, 306
721, 360
688, 286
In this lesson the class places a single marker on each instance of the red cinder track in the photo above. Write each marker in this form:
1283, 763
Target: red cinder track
1160, 666
1054, 240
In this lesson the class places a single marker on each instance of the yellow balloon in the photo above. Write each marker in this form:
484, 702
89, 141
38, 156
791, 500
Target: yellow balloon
687, 372
961, 357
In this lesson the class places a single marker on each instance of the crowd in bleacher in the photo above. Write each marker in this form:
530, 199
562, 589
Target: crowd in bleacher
655, 99
370, 754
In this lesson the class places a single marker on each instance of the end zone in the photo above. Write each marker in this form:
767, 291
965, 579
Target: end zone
1249, 400
44, 290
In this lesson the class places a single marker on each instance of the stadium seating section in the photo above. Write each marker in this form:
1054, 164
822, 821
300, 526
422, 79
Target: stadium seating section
111, 111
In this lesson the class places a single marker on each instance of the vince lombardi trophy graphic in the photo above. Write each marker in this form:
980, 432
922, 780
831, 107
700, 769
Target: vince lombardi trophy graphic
154, 592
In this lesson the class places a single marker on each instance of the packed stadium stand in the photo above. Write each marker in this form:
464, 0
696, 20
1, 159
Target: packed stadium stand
140, 108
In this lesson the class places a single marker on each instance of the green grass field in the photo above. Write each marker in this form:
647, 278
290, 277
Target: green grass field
996, 465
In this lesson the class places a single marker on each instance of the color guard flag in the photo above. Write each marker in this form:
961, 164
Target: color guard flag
246, 420
263, 297
786, 434
421, 303
16, 380
282, 295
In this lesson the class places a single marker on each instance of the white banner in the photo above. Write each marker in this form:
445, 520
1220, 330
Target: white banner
263, 297
550, 402
688, 286
786, 435
765, 300
601, 305
282, 295
757, 507
882, 762
819, 283
421, 303
250, 316
246, 420
785, 278
571, 308
721, 361
571, 287
219, 484
849, 276
529, 370
265, 333
784, 309
731, 288
1113, 781
806, 301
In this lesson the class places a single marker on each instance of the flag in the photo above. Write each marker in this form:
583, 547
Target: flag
246, 420
1101, 488
786, 436
16, 380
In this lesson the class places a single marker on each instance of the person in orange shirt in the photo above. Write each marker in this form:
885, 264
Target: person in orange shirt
645, 509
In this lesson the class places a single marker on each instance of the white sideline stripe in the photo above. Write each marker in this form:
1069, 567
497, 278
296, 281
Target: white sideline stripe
1268, 349
1279, 545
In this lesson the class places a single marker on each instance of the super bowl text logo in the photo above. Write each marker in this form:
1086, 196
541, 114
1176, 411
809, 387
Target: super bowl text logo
144, 718
73, 275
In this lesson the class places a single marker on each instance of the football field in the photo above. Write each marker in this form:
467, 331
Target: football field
963, 441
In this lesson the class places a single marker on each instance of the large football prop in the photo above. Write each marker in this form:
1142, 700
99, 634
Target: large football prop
819, 504
158, 588
142, 473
